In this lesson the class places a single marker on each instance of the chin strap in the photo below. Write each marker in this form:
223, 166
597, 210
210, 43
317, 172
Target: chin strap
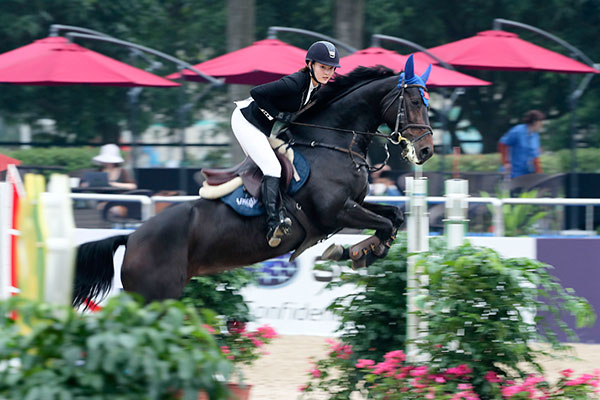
312, 71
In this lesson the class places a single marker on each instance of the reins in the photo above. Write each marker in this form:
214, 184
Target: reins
395, 137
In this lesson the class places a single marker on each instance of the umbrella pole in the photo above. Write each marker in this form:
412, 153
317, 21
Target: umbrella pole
574, 184
181, 123
133, 95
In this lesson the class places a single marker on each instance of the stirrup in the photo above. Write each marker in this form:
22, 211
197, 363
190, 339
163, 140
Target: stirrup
282, 229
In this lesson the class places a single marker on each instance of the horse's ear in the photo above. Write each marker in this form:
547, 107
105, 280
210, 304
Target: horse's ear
409, 69
425, 75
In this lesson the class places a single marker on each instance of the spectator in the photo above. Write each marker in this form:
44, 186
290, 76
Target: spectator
524, 143
383, 183
110, 161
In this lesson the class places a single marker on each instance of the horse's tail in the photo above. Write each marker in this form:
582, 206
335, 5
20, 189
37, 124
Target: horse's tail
94, 269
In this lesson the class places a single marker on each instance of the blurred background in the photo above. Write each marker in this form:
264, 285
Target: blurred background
188, 126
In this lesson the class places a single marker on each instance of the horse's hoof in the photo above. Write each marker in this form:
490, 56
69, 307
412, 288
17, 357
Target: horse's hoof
333, 252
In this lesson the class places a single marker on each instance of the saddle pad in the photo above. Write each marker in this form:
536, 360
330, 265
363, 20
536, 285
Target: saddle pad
245, 204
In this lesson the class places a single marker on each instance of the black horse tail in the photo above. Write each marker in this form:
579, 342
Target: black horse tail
94, 269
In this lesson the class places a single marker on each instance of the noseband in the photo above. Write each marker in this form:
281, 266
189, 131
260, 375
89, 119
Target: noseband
396, 137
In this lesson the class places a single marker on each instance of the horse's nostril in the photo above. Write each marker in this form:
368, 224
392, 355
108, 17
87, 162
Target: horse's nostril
425, 153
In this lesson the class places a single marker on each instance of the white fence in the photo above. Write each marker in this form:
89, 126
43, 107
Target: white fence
147, 204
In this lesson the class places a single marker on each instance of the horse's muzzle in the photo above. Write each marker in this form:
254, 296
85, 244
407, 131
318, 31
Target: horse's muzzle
424, 154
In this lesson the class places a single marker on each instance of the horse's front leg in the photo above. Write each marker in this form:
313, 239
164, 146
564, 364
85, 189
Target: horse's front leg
384, 219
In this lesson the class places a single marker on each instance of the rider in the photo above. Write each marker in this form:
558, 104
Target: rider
279, 100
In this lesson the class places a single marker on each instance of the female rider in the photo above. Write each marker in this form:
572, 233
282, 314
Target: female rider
279, 100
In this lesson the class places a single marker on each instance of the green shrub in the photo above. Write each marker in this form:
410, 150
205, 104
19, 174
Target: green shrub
372, 320
127, 351
221, 293
475, 305
474, 311
71, 158
588, 160
519, 219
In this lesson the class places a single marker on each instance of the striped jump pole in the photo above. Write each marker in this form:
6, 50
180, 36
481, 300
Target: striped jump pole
11, 192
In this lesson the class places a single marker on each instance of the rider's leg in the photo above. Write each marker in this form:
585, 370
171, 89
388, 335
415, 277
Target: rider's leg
278, 225
256, 145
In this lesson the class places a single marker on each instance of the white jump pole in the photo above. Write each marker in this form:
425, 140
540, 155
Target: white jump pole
417, 227
5, 248
56, 205
457, 205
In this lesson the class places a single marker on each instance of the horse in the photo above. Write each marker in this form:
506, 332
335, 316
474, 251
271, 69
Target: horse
333, 133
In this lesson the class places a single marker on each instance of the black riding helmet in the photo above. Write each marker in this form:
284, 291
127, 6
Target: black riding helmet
324, 53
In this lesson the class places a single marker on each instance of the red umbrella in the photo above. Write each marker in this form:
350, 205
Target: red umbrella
501, 50
5, 160
56, 61
439, 77
263, 61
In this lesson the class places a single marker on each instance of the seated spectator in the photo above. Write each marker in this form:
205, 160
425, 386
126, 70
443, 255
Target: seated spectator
110, 162
383, 183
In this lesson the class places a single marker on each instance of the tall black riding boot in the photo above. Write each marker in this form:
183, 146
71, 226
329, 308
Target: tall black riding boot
278, 225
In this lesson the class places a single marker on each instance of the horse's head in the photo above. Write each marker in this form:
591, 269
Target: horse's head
407, 114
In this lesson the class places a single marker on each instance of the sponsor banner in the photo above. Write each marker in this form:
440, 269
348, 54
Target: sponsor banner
291, 297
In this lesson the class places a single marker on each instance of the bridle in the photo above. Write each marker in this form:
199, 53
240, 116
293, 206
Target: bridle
402, 124
396, 137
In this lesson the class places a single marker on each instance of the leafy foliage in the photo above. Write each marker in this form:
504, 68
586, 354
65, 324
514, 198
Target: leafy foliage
552, 162
125, 351
519, 219
71, 158
477, 305
393, 379
221, 293
475, 309
197, 30
372, 320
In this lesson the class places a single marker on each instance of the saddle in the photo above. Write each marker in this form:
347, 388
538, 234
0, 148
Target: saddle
220, 182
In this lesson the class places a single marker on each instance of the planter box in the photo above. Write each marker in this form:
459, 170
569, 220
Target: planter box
238, 392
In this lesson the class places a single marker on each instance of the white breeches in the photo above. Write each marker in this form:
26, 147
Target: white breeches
255, 144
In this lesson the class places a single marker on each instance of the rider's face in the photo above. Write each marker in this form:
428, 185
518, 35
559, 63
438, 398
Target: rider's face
323, 72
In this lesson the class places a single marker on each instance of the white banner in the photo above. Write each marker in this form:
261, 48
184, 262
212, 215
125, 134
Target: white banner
291, 297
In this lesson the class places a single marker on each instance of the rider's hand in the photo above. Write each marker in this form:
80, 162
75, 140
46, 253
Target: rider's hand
284, 117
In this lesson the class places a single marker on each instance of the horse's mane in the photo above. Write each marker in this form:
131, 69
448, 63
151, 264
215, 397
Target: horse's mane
344, 82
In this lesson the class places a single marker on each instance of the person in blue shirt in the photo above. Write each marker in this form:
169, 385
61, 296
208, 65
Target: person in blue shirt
523, 140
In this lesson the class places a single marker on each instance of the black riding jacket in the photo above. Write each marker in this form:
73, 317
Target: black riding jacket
287, 94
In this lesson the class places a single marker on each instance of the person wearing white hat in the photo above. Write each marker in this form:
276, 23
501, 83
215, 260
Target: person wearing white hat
111, 162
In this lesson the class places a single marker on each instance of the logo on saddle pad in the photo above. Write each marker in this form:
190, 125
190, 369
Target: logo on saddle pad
249, 202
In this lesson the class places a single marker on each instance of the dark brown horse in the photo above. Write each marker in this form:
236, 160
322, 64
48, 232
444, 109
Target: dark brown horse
206, 236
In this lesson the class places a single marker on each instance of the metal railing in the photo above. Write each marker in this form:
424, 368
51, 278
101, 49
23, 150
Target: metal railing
148, 204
